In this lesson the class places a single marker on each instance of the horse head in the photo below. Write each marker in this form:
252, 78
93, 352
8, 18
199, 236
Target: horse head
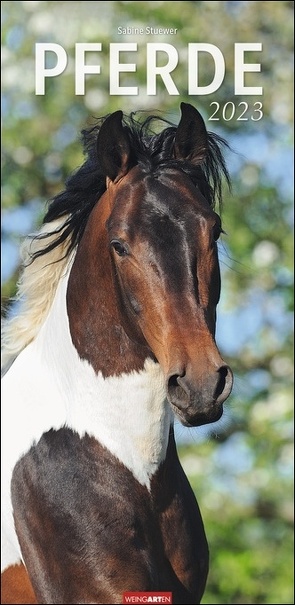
154, 232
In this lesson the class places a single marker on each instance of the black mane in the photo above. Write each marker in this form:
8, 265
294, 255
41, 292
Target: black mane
150, 149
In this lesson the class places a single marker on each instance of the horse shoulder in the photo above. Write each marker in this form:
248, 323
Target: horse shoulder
82, 538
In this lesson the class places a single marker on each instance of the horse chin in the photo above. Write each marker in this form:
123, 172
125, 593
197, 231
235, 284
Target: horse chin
190, 418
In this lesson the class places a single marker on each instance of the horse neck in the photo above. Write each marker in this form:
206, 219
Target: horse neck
126, 412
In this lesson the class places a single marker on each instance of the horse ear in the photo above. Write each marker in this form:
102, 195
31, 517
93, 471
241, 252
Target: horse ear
113, 147
191, 139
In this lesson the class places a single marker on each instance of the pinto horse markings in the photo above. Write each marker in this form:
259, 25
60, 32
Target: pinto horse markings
115, 336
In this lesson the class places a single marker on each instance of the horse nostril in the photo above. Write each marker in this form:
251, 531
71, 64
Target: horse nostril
224, 384
172, 381
178, 390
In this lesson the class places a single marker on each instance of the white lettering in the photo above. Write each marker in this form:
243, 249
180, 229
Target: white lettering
81, 68
193, 72
161, 61
41, 72
116, 68
241, 68
164, 72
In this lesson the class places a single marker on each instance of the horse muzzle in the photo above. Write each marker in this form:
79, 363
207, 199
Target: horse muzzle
199, 401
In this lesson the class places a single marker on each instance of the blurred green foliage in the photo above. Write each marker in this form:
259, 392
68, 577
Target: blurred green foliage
242, 472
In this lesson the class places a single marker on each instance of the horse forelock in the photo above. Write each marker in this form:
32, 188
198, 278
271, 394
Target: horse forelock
36, 289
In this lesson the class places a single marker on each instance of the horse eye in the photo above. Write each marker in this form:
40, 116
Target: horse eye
120, 248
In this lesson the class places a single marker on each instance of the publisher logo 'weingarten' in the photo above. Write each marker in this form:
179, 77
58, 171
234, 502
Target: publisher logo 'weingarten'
147, 597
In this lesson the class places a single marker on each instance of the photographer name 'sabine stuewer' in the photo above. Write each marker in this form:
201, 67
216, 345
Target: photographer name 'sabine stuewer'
114, 337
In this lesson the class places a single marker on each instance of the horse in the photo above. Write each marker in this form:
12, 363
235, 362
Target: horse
114, 338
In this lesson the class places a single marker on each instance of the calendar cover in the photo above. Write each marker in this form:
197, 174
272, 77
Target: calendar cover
219, 72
